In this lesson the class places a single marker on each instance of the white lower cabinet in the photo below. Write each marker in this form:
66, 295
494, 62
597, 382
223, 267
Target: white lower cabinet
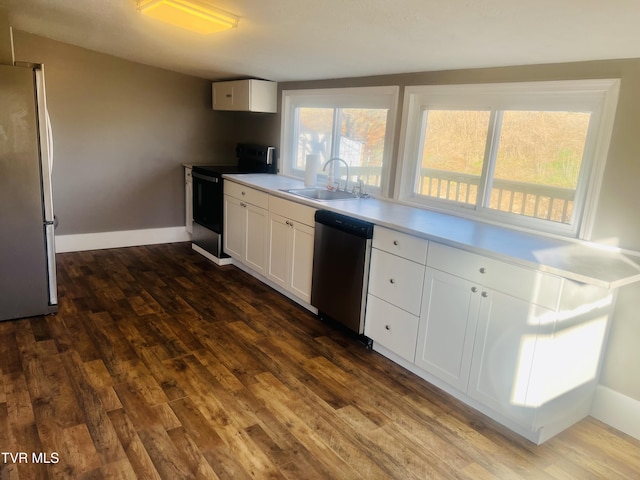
480, 341
271, 236
234, 228
479, 328
520, 345
245, 226
256, 238
290, 255
395, 291
447, 328
504, 352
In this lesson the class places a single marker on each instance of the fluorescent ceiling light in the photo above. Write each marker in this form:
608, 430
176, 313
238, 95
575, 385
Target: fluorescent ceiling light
193, 15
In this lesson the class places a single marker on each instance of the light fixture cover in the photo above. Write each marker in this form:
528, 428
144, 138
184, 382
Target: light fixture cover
194, 15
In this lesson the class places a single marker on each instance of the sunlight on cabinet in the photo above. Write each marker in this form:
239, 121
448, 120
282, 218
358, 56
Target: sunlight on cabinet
564, 361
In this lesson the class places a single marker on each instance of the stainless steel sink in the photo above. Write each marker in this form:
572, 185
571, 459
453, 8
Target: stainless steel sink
321, 193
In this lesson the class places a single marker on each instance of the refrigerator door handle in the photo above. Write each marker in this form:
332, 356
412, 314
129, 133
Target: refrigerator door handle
46, 143
49, 140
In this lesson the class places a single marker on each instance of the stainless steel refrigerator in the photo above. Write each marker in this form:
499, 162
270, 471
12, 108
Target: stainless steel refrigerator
27, 250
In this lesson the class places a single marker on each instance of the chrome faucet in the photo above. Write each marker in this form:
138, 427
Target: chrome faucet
337, 159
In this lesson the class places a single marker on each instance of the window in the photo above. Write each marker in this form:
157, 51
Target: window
526, 154
354, 124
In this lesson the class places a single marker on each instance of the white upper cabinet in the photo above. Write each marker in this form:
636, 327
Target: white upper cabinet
245, 96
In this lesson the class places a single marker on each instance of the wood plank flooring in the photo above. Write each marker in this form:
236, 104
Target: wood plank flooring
161, 365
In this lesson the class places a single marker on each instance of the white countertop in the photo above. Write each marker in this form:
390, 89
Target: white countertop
574, 260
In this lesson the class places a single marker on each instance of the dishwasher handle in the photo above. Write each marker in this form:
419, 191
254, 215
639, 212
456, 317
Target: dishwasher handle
351, 225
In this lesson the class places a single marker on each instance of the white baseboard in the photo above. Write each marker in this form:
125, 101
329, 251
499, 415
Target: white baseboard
127, 238
617, 410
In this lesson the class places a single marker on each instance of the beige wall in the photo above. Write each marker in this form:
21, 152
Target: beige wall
121, 133
617, 218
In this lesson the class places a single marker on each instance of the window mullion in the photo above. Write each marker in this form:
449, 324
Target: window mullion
337, 123
295, 142
417, 173
335, 142
490, 158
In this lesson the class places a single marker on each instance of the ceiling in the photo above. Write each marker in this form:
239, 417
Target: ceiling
287, 40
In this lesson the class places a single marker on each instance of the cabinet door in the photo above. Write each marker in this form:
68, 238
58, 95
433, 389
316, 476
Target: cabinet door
503, 353
255, 238
301, 258
447, 327
234, 227
232, 95
278, 246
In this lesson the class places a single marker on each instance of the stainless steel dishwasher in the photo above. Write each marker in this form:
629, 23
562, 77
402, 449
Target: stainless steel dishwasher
342, 250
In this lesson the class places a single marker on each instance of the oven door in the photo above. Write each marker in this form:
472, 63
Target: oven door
207, 201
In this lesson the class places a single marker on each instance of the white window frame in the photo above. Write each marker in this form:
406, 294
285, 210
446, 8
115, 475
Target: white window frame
599, 97
356, 97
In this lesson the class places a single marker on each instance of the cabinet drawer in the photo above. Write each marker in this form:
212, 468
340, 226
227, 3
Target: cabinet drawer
524, 283
391, 327
292, 210
396, 280
246, 194
401, 244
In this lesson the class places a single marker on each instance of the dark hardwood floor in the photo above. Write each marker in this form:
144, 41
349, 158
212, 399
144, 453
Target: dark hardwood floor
160, 364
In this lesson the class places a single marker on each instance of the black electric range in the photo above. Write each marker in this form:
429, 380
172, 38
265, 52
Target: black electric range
208, 196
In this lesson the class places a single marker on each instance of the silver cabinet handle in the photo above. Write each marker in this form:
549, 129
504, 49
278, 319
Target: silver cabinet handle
391, 280
485, 294
474, 289
244, 193
396, 242
483, 270
242, 204
387, 327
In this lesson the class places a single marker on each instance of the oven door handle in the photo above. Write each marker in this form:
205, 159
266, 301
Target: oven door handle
205, 177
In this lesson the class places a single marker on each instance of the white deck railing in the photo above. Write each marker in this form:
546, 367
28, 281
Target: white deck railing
539, 201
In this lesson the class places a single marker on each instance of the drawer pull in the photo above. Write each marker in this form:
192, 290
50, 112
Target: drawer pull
387, 327
392, 280
485, 294
483, 270
396, 242
474, 289
242, 204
